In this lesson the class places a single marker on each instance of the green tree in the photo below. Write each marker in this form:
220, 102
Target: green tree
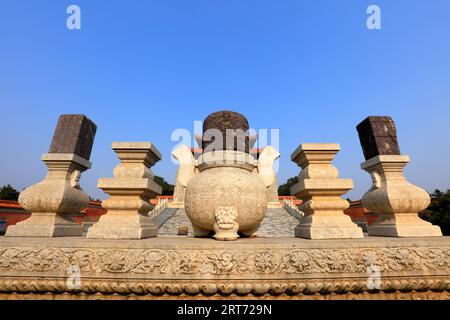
167, 188
285, 189
440, 206
9, 193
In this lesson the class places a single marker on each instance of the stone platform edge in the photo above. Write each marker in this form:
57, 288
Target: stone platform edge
186, 268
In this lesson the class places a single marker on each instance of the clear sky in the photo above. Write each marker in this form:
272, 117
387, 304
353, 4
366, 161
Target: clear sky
141, 69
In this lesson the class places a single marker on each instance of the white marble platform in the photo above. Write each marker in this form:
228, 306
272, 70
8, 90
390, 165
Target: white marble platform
261, 268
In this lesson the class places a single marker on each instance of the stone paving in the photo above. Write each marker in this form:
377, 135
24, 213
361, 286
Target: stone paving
178, 219
162, 218
277, 223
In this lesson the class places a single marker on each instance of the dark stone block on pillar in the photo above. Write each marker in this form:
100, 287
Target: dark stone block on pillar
378, 136
223, 121
74, 133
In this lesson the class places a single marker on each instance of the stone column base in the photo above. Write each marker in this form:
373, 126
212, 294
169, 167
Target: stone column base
321, 233
121, 226
321, 226
404, 225
45, 225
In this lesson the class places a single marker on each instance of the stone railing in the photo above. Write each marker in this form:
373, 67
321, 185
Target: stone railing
293, 209
159, 208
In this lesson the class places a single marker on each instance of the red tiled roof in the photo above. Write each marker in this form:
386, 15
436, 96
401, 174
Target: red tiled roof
6, 204
14, 213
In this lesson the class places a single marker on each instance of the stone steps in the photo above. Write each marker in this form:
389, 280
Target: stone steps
165, 215
277, 223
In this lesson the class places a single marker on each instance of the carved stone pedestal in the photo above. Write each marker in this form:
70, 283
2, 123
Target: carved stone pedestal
131, 189
50, 200
260, 268
321, 191
395, 200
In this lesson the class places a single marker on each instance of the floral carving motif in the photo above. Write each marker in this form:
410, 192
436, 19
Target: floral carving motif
281, 261
299, 261
266, 261
189, 262
115, 261
174, 271
226, 263
155, 260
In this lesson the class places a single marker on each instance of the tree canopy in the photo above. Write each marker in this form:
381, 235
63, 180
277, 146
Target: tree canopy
285, 189
167, 188
440, 206
9, 193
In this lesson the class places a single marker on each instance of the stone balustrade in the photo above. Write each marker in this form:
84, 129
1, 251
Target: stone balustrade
159, 207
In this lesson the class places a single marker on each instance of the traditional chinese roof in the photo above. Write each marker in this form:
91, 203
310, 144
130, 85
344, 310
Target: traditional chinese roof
6, 204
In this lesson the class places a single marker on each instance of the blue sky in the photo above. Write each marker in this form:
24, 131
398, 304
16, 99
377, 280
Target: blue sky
141, 69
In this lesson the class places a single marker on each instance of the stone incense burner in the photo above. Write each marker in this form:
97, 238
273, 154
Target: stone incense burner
228, 195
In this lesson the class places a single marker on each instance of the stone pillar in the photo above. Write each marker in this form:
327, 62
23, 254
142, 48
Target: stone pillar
396, 201
59, 194
320, 189
131, 189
